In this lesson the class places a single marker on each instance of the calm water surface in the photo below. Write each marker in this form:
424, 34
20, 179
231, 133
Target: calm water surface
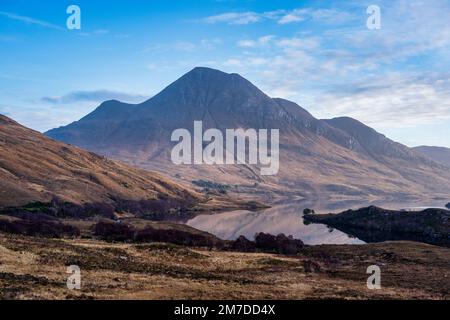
287, 219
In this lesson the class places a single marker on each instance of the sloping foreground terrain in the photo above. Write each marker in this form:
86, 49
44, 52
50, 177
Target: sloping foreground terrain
337, 158
33, 268
375, 224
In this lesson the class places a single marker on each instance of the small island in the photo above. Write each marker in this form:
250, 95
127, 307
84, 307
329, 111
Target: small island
374, 224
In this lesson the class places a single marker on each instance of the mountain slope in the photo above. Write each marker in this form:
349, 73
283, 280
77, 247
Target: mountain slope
373, 143
438, 154
318, 158
36, 168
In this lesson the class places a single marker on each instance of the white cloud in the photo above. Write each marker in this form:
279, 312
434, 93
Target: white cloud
280, 16
94, 96
44, 118
289, 18
97, 32
184, 46
210, 44
233, 62
261, 41
299, 43
395, 75
255, 61
392, 102
236, 18
247, 43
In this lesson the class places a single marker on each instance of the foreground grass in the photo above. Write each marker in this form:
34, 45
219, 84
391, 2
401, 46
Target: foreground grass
33, 268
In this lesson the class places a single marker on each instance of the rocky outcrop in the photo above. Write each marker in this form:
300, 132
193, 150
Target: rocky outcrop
375, 224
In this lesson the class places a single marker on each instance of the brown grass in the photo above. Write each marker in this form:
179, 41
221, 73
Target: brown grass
33, 268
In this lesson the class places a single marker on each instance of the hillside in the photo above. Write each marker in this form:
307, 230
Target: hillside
36, 168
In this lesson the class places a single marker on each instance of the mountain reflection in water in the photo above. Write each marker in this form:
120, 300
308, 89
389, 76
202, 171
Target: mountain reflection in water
287, 219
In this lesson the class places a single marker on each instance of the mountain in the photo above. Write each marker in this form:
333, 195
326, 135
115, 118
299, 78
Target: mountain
36, 168
319, 159
438, 154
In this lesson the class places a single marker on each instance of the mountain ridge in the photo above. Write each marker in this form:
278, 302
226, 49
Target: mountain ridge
438, 154
319, 158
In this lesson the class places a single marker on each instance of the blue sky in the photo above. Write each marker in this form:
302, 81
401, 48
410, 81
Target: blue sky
319, 54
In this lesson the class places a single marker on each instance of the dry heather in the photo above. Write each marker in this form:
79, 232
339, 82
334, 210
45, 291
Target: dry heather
32, 268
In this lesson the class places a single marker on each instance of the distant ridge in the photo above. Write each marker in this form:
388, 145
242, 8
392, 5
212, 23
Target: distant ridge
438, 154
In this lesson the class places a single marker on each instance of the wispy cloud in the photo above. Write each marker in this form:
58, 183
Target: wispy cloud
396, 101
184, 46
96, 32
261, 41
394, 75
94, 96
236, 18
42, 118
281, 16
30, 20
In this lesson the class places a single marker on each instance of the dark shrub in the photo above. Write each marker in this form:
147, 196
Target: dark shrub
85, 211
447, 205
161, 209
99, 209
278, 244
113, 231
179, 237
157, 210
265, 241
308, 211
288, 245
209, 185
311, 266
31, 216
60, 209
242, 244
39, 228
